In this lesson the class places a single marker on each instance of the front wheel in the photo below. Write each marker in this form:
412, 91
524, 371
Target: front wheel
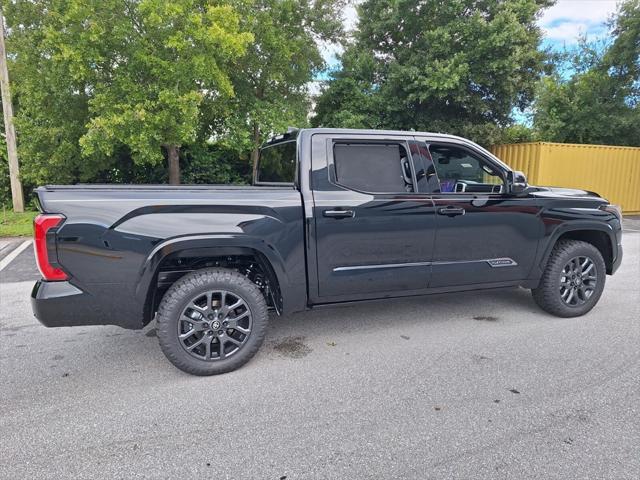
573, 279
211, 321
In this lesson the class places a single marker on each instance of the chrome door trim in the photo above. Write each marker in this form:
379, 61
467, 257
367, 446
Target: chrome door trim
493, 262
382, 265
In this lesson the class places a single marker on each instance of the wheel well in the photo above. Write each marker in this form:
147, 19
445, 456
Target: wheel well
598, 239
250, 263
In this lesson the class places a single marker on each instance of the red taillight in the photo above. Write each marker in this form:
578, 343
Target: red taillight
41, 225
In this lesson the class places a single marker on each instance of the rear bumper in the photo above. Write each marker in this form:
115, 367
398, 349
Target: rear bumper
60, 304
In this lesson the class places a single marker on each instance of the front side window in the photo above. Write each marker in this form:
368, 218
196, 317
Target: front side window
373, 167
277, 163
459, 171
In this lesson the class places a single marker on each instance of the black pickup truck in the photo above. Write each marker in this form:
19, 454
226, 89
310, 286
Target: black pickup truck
333, 216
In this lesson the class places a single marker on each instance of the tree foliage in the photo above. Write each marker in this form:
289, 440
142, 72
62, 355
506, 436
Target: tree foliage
271, 80
150, 69
600, 102
459, 66
105, 84
50, 108
146, 67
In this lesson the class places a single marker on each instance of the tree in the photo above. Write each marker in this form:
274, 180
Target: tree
622, 59
114, 90
137, 71
459, 66
352, 98
600, 103
271, 79
51, 109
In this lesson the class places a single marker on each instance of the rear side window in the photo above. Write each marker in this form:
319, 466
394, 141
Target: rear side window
277, 163
371, 167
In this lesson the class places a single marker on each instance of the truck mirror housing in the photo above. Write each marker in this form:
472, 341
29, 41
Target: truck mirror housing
517, 182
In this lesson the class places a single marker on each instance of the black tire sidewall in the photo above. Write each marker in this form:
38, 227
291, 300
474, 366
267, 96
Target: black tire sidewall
178, 297
547, 295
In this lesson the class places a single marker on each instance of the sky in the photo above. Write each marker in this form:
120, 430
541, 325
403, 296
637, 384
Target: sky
567, 19
561, 24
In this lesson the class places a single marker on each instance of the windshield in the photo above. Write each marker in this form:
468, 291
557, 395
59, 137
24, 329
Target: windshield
277, 163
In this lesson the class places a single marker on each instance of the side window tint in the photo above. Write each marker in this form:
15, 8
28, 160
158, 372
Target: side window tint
370, 167
277, 163
460, 171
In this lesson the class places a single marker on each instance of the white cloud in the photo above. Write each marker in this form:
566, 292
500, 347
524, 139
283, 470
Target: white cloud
330, 50
580, 11
566, 32
569, 18
350, 16
314, 88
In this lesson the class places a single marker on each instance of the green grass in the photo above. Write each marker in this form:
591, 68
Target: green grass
16, 224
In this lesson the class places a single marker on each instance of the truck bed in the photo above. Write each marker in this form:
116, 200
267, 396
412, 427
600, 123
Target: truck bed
115, 239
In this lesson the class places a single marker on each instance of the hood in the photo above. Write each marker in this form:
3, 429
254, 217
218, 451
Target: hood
564, 192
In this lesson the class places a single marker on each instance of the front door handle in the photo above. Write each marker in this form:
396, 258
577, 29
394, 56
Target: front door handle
451, 211
339, 213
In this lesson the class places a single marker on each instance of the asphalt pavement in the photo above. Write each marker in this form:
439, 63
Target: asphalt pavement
465, 385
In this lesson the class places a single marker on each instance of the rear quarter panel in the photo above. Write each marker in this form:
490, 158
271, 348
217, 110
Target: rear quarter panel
111, 235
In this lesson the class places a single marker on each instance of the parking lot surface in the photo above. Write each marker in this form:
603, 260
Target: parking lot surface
465, 385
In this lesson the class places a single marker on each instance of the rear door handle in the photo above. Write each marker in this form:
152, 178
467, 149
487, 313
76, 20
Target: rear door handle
451, 211
339, 213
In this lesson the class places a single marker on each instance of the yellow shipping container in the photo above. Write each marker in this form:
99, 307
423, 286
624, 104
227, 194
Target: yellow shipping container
611, 171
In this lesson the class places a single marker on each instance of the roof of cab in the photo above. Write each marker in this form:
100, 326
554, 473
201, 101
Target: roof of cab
294, 133
356, 131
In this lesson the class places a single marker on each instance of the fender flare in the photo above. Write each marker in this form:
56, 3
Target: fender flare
574, 226
208, 243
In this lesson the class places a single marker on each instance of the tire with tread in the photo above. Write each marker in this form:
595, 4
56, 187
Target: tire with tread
547, 294
200, 281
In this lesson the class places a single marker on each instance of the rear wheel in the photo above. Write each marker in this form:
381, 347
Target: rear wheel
573, 279
211, 321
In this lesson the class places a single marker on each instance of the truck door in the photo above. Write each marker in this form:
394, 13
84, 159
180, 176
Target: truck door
484, 235
374, 231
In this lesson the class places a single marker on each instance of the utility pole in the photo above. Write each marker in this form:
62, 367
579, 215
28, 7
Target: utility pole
10, 132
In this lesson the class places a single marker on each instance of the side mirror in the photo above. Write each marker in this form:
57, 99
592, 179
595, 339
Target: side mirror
517, 182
